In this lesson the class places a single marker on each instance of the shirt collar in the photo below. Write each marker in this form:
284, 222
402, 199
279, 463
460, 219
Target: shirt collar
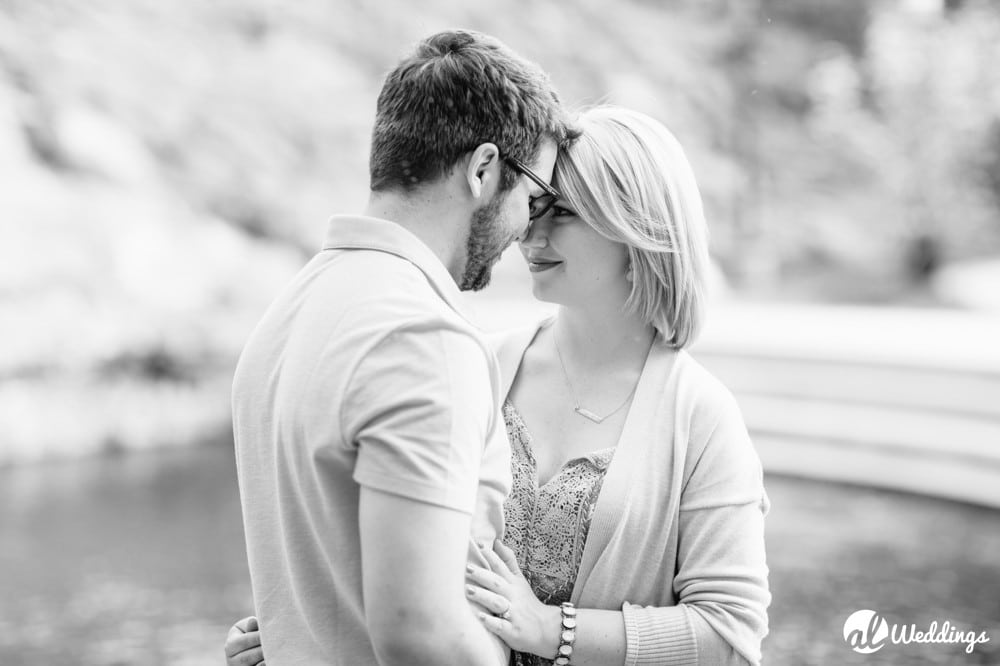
358, 232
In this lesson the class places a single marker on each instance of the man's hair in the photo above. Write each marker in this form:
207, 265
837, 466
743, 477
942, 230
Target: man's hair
460, 89
628, 178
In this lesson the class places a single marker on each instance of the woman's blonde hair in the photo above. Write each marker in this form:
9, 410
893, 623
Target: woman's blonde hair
627, 176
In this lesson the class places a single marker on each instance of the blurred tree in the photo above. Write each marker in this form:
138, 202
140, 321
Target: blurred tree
824, 21
989, 166
878, 146
935, 83
173, 166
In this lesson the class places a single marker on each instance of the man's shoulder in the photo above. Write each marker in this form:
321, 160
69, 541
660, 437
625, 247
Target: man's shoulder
377, 286
365, 269
390, 307
344, 303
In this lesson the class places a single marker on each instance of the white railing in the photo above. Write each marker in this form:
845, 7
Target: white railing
904, 399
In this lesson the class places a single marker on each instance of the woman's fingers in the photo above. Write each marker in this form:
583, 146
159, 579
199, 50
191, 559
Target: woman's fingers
491, 601
496, 564
485, 578
507, 556
487, 589
496, 625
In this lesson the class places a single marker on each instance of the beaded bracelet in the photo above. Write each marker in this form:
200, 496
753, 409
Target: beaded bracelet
568, 634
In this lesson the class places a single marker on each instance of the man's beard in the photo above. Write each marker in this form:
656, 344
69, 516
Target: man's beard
487, 240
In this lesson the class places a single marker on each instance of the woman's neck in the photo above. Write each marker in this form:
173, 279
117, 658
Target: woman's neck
595, 338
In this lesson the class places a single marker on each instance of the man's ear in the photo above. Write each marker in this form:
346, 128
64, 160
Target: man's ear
482, 172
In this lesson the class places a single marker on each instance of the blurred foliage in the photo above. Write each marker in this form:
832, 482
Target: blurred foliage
167, 168
874, 152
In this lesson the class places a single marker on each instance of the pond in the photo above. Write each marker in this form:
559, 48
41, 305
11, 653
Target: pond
138, 559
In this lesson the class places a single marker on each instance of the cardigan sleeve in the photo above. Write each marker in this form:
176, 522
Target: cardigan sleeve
659, 636
721, 579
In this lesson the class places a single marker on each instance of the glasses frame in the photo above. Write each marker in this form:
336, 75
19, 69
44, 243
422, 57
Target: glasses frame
553, 194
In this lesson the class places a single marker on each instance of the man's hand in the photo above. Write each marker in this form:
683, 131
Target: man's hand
243, 646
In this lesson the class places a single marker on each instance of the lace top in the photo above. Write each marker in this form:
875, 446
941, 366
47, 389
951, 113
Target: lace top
547, 526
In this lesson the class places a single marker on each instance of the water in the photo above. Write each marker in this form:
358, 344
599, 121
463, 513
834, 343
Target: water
139, 559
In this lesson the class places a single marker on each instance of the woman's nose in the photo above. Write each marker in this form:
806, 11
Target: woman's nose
536, 235
524, 232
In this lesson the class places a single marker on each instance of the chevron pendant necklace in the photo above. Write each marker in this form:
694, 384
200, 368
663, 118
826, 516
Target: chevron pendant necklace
577, 407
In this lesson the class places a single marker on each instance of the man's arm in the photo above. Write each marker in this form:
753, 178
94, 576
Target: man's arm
413, 558
419, 407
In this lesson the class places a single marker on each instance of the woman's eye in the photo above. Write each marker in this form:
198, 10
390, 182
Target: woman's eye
559, 211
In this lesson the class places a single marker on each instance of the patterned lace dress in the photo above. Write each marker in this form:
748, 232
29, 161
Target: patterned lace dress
547, 526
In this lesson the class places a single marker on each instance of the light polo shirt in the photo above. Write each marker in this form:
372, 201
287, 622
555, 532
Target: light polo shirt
362, 373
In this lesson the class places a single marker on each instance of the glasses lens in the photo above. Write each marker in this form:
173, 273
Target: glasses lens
540, 205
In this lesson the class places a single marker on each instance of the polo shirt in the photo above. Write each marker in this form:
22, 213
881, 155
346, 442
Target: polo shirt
363, 372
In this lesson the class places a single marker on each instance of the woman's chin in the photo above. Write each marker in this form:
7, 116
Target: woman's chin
542, 293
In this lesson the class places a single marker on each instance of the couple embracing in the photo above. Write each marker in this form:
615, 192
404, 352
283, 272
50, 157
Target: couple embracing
580, 491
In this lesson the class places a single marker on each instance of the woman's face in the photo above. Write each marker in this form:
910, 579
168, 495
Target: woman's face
573, 265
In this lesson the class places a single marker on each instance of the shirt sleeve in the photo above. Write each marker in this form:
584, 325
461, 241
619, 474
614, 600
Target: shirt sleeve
721, 580
419, 407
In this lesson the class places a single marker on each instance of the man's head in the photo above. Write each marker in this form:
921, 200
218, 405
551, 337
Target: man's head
464, 99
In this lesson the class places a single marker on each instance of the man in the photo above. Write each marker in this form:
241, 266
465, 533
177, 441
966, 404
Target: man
370, 447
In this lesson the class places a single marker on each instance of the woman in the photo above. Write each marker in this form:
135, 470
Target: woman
634, 532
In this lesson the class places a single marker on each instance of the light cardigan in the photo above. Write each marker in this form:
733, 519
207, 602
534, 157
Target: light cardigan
677, 537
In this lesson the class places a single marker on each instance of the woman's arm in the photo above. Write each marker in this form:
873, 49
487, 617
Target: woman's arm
720, 582
722, 601
528, 625
721, 571
722, 594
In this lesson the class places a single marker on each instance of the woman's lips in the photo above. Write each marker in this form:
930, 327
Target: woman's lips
540, 266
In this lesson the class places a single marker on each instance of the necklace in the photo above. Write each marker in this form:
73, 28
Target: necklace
583, 411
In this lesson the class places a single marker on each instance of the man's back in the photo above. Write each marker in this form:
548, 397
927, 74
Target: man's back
360, 374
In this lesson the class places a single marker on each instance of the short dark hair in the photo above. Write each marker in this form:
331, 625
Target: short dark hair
457, 90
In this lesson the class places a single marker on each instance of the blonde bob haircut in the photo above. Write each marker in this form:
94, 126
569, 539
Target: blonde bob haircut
628, 178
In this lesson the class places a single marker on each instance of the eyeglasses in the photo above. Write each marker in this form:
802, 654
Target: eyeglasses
540, 205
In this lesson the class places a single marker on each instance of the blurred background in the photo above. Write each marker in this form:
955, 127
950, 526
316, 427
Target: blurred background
165, 169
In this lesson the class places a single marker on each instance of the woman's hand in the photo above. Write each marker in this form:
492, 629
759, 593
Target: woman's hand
519, 618
243, 647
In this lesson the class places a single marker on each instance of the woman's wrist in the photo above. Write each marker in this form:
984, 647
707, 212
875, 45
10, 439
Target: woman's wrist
567, 636
550, 630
